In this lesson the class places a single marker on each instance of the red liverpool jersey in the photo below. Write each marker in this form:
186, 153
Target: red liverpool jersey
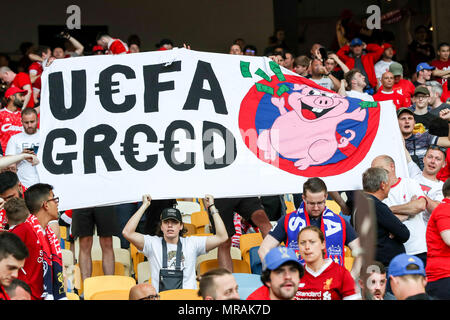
10, 124
331, 282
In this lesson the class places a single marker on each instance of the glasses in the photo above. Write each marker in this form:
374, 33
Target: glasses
313, 204
422, 97
151, 297
436, 147
56, 199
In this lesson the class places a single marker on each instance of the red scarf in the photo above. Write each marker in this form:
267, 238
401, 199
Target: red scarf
52, 260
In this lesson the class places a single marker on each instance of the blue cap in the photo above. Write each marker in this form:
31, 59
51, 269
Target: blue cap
424, 66
398, 265
356, 42
278, 256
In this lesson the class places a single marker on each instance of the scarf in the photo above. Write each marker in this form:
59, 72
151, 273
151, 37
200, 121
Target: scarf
332, 226
51, 262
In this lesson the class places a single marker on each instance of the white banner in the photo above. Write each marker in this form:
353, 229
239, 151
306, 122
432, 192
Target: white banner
183, 123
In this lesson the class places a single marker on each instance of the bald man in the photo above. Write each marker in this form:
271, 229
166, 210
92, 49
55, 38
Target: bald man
387, 92
143, 291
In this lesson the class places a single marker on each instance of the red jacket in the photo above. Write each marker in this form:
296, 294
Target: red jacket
374, 53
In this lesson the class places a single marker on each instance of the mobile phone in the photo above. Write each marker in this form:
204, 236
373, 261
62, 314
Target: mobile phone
324, 54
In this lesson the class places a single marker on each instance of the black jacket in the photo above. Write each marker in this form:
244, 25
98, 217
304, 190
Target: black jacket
391, 233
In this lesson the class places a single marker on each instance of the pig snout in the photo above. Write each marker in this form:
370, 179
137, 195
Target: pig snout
319, 101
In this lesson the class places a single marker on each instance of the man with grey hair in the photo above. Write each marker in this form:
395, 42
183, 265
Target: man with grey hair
407, 202
391, 232
435, 102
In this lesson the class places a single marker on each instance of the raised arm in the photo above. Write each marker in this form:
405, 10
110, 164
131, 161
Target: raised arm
221, 232
129, 231
9, 160
445, 141
341, 64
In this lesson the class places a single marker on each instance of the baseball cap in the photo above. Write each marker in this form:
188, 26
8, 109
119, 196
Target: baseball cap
97, 48
12, 91
401, 110
424, 66
398, 265
387, 46
171, 213
356, 42
422, 90
278, 256
396, 69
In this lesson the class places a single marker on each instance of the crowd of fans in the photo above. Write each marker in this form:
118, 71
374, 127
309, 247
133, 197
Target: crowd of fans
413, 218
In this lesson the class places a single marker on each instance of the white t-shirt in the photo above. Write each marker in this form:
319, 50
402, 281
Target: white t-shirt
324, 82
359, 95
26, 172
192, 247
433, 189
401, 193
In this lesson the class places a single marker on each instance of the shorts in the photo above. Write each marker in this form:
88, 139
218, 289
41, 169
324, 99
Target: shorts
105, 218
245, 207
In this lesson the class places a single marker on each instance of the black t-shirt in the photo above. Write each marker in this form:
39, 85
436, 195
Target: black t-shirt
435, 125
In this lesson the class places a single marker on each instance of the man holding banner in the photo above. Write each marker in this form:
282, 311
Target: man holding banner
313, 211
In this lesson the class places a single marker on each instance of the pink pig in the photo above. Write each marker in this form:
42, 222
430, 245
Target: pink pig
308, 133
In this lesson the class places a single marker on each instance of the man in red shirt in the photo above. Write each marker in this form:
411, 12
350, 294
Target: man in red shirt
354, 57
35, 70
10, 117
13, 253
438, 244
401, 86
114, 46
281, 275
19, 80
43, 270
443, 63
388, 93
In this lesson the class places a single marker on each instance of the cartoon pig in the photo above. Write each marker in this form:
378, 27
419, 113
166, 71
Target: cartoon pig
308, 132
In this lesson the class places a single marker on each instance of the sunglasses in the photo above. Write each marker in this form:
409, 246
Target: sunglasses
151, 297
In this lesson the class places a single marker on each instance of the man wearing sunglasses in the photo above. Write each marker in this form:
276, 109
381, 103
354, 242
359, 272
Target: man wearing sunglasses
43, 269
143, 291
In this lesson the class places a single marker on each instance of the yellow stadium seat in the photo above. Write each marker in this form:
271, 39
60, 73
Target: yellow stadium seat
289, 206
137, 257
120, 255
247, 242
200, 219
97, 268
191, 229
108, 287
179, 294
348, 262
347, 251
212, 255
144, 272
188, 207
239, 266
333, 206
72, 296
